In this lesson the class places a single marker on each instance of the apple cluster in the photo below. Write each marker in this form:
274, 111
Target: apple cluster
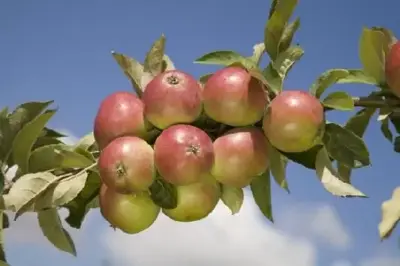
163, 135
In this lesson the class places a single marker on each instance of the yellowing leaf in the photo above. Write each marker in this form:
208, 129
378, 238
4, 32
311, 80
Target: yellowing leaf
167, 63
330, 179
390, 214
232, 197
287, 59
50, 223
258, 52
153, 62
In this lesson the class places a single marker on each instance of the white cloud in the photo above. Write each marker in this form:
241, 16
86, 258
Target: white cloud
317, 220
220, 239
381, 261
341, 263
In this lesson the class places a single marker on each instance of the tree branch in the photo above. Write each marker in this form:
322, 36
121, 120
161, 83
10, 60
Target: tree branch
377, 102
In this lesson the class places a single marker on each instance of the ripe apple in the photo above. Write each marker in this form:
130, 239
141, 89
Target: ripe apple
172, 97
240, 155
119, 114
131, 213
183, 154
233, 97
294, 121
392, 68
127, 164
195, 201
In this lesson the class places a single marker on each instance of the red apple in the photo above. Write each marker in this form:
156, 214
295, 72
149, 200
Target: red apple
127, 164
233, 97
120, 114
240, 155
131, 213
294, 121
172, 97
183, 154
392, 68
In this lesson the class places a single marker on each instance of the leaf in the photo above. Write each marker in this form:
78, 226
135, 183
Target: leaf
329, 177
51, 133
339, 100
232, 197
345, 146
86, 199
28, 188
275, 81
261, 190
275, 26
203, 79
44, 141
327, 79
277, 166
153, 62
167, 63
58, 156
372, 46
26, 137
357, 76
306, 158
287, 59
358, 125
132, 69
3, 258
224, 58
387, 133
50, 223
86, 142
390, 214
163, 194
396, 144
258, 52
272, 8
288, 34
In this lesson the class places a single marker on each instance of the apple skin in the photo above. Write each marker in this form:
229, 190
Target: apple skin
392, 68
131, 213
240, 155
233, 97
183, 154
120, 114
294, 121
127, 165
172, 97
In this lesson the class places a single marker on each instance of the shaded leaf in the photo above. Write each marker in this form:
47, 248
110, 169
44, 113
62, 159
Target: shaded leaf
50, 223
59, 156
345, 146
167, 63
203, 79
232, 197
51, 133
372, 46
275, 26
86, 141
327, 79
357, 76
44, 141
275, 81
385, 129
288, 34
272, 8
26, 137
339, 100
287, 59
132, 69
330, 179
86, 199
358, 125
261, 190
163, 194
224, 58
390, 214
306, 158
277, 166
3, 258
396, 144
153, 62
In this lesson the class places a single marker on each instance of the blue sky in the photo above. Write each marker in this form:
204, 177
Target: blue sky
60, 50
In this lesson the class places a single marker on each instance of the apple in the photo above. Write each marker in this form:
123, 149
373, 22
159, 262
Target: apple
392, 68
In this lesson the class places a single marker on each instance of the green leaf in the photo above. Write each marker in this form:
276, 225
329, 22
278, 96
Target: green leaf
86, 200
272, 8
330, 178
5, 220
51, 133
358, 125
163, 194
287, 59
306, 158
276, 25
50, 223
390, 214
86, 142
339, 100
59, 156
153, 62
26, 138
232, 197
3, 258
345, 146
275, 81
327, 79
385, 129
167, 63
277, 166
27, 189
132, 69
396, 144
203, 79
288, 34
357, 76
224, 58
372, 46
261, 190
44, 141
258, 52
